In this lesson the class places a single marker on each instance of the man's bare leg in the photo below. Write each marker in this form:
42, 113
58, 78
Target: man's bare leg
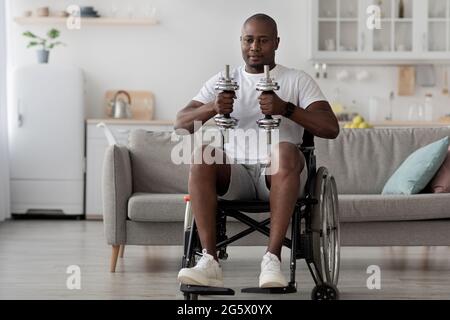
206, 181
284, 186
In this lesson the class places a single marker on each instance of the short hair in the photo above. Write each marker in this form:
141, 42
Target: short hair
264, 18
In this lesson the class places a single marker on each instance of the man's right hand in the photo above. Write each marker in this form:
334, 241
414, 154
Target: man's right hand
224, 102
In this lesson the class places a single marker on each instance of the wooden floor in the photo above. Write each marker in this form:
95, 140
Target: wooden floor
35, 254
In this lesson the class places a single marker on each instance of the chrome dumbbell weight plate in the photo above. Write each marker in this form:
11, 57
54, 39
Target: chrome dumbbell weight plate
225, 122
268, 123
267, 83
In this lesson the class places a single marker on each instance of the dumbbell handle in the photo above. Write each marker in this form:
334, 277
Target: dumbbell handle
227, 72
268, 116
267, 72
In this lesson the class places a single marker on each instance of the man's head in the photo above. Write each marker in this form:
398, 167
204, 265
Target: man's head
259, 41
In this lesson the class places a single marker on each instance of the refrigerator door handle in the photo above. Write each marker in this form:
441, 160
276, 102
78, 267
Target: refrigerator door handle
19, 114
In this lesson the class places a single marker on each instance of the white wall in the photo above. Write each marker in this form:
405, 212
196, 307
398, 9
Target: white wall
4, 168
193, 41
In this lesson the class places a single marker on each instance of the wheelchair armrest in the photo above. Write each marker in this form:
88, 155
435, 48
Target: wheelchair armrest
116, 190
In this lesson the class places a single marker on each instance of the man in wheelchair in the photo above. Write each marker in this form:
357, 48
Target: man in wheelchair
300, 104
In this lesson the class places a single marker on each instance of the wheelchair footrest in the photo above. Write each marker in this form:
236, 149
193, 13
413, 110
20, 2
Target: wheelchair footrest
279, 290
205, 291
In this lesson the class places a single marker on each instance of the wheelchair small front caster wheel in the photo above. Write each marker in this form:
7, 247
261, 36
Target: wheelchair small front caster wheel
325, 291
223, 255
190, 296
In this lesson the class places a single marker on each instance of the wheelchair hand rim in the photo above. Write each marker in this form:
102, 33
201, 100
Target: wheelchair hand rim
325, 228
330, 242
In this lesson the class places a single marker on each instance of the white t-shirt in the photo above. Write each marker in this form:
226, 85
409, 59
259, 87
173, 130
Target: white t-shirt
296, 87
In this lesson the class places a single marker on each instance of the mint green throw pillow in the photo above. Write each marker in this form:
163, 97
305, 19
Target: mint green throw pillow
418, 169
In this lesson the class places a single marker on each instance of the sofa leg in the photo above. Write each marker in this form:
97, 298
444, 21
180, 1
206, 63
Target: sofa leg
122, 250
114, 255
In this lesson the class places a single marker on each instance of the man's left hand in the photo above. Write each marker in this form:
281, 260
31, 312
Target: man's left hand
272, 104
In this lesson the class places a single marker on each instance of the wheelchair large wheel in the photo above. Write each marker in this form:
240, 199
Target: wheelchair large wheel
325, 230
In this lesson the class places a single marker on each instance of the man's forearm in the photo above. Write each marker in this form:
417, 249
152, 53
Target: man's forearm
320, 123
186, 117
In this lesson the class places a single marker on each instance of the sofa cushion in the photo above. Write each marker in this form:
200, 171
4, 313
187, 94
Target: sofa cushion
441, 181
152, 168
156, 207
359, 208
160, 207
363, 160
418, 169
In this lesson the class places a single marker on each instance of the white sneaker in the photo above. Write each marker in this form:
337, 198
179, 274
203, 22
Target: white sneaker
207, 272
271, 275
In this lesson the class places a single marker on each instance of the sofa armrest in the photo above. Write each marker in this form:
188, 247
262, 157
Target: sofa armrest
116, 190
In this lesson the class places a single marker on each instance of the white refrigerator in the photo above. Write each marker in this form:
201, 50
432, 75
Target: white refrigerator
46, 140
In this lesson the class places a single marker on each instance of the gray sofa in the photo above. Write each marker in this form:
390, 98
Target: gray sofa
143, 191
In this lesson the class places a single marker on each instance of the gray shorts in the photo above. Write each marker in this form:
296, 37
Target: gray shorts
248, 182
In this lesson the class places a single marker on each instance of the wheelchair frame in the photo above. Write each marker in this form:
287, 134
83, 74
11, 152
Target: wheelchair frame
314, 233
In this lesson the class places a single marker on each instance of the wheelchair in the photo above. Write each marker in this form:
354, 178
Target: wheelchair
315, 234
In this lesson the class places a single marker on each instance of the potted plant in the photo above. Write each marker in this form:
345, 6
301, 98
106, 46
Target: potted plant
46, 44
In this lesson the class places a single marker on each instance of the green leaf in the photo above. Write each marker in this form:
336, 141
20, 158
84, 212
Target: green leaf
32, 44
53, 34
57, 43
29, 34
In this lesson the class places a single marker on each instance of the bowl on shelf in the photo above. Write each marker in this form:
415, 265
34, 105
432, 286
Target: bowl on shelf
88, 12
87, 9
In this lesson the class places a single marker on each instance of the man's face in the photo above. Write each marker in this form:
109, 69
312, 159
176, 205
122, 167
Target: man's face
258, 44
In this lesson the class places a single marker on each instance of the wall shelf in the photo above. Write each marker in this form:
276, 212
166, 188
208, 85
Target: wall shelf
87, 21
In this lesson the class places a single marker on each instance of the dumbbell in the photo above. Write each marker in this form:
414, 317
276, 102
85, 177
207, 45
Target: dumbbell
226, 84
269, 86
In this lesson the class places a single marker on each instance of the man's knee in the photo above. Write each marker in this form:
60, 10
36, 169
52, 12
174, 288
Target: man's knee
287, 159
200, 166
209, 163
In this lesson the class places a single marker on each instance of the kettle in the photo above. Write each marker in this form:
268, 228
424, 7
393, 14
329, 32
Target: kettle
121, 109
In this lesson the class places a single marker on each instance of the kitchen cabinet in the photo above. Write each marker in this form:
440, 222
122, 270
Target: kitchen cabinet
436, 30
96, 145
408, 31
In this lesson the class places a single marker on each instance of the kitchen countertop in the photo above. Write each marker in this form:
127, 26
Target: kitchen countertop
406, 123
342, 123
